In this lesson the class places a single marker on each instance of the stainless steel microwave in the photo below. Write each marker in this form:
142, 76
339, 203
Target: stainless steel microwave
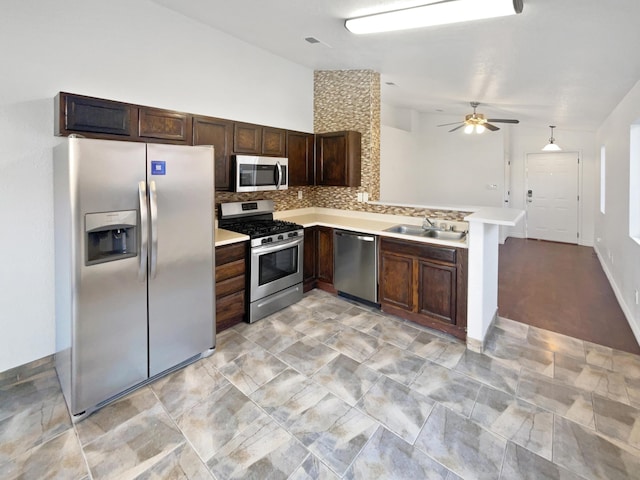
256, 174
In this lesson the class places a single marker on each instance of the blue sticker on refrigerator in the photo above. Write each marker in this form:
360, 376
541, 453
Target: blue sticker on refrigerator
158, 167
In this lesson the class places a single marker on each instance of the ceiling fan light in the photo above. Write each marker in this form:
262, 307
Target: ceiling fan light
468, 129
434, 13
551, 146
480, 128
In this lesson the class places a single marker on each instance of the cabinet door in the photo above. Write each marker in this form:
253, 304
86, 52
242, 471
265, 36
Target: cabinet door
164, 125
310, 258
325, 254
76, 113
437, 291
338, 161
274, 142
396, 280
247, 138
219, 133
300, 153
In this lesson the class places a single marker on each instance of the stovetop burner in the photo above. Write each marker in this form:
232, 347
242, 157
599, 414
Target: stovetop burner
255, 219
261, 228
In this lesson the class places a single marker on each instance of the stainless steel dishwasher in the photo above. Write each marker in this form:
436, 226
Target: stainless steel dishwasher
355, 264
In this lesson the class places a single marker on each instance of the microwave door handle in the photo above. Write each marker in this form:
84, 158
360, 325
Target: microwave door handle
153, 208
144, 230
279, 170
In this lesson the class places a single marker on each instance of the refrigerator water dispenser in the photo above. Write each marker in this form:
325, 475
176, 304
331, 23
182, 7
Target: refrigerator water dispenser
110, 236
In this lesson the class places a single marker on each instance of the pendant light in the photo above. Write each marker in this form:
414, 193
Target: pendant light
551, 146
433, 13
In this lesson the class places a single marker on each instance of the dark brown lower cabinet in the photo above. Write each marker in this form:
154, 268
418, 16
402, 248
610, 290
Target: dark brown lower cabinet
318, 258
325, 259
425, 283
310, 259
230, 285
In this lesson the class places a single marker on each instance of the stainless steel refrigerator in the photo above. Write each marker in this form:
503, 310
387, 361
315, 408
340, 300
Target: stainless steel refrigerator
134, 265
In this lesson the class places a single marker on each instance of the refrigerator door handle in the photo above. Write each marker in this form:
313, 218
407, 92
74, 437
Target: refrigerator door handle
144, 230
153, 209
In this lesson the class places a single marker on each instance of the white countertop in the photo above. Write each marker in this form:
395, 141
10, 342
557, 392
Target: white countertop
371, 223
496, 216
226, 237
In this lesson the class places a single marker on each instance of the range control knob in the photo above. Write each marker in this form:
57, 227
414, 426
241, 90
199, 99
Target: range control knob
269, 239
264, 240
280, 237
293, 234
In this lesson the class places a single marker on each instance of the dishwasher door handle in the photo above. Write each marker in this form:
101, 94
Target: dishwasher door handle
358, 237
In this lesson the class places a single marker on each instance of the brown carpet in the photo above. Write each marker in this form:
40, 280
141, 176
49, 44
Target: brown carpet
562, 288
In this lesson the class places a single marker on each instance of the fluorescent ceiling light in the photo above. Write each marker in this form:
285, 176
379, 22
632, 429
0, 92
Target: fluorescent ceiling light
435, 13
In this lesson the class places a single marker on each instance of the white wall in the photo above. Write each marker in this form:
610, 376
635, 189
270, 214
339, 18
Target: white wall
619, 254
135, 52
438, 168
455, 169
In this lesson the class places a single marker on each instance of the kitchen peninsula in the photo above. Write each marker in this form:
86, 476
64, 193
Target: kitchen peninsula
481, 242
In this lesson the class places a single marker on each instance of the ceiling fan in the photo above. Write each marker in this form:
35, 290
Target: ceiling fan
476, 122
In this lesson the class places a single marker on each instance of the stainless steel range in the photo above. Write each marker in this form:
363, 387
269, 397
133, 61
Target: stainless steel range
275, 269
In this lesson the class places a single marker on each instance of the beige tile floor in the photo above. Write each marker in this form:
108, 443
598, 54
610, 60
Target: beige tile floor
331, 389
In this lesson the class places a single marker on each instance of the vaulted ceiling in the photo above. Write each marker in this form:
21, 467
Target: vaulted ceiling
562, 62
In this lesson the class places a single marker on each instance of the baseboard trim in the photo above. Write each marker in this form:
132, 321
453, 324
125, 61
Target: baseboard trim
635, 327
26, 370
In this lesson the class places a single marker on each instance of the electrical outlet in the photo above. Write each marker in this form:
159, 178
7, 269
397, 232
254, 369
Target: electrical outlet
365, 196
637, 298
359, 196
299, 194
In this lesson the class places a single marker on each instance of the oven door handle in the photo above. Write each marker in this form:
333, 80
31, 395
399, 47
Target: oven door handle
278, 246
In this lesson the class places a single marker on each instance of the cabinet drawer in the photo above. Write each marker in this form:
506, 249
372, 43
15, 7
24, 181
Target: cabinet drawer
442, 254
229, 306
229, 286
229, 270
230, 253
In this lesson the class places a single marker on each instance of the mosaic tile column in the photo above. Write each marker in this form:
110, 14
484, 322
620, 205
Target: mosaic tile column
349, 100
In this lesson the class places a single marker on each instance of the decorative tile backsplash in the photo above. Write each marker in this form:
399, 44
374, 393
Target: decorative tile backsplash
345, 100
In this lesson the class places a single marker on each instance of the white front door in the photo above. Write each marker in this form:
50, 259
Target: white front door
552, 196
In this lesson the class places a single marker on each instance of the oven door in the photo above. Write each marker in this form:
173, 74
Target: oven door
275, 267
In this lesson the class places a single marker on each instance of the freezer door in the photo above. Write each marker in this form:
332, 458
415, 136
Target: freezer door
181, 249
109, 311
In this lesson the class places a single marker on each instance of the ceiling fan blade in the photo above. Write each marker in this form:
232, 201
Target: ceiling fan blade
502, 120
493, 128
457, 128
447, 124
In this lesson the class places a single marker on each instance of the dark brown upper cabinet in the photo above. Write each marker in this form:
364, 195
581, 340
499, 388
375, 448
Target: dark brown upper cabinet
157, 124
247, 138
258, 140
274, 142
338, 161
300, 150
219, 133
80, 114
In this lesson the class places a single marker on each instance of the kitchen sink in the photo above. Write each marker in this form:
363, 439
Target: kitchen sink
418, 231
407, 230
444, 235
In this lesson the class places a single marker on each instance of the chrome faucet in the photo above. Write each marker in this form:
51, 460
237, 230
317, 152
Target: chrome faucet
428, 224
